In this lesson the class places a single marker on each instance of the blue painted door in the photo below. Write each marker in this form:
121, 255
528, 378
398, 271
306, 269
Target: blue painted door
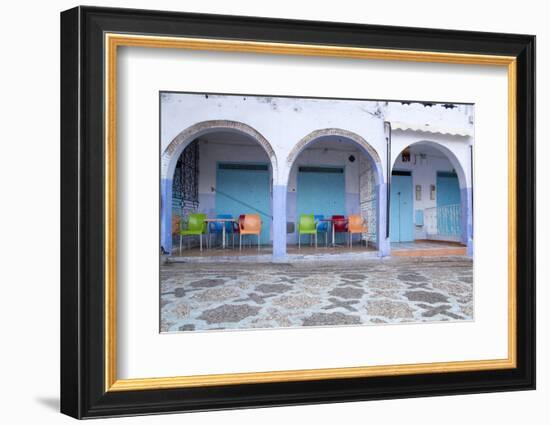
401, 208
321, 190
245, 189
448, 203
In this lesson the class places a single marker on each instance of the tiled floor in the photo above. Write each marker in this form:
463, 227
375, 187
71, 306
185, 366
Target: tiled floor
427, 248
415, 248
237, 295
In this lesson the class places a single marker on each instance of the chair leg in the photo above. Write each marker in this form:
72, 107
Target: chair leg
315, 240
200, 241
180, 244
240, 242
258, 242
299, 241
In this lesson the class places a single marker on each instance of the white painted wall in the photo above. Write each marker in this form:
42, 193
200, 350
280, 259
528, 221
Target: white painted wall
282, 121
285, 121
424, 173
457, 120
456, 148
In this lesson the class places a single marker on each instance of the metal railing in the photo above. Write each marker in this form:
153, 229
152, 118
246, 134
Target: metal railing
443, 221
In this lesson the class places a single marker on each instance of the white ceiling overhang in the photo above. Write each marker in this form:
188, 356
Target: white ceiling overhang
429, 128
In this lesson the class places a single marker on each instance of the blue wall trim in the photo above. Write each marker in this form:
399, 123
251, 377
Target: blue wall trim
166, 214
383, 243
467, 233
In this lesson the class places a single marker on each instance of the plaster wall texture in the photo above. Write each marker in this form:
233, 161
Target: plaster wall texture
283, 122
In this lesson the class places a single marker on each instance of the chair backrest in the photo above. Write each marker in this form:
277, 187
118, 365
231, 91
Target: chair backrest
322, 226
306, 223
196, 222
228, 224
214, 227
251, 223
176, 224
355, 224
217, 227
339, 223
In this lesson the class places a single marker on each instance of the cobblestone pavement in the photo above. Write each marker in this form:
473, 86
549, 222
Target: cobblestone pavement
246, 295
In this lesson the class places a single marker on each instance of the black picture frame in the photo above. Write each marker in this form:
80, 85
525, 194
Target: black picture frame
83, 392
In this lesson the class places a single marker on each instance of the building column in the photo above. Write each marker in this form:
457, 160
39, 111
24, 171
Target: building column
166, 215
466, 225
279, 223
384, 248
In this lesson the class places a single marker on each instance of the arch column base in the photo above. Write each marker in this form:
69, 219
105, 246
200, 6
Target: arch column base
384, 248
470, 248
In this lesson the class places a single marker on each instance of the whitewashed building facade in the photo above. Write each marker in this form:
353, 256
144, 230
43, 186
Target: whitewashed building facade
406, 167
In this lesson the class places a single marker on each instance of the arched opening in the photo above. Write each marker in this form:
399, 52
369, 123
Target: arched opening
430, 201
221, 169
334, 172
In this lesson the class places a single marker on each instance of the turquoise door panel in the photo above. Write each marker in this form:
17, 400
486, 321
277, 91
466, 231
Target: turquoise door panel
321, 192
401, 208
448, 189
244, 189
448, 204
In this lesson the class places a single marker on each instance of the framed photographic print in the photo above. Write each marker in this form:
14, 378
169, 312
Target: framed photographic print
261, 212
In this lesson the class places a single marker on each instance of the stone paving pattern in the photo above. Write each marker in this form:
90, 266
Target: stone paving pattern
245, 296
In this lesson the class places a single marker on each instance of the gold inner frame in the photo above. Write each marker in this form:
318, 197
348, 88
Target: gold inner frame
113, 41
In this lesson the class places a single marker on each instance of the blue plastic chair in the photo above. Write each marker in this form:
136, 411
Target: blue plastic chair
216, 229
322, 226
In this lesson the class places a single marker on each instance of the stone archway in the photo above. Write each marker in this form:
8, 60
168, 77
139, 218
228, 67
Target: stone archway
172, 152
465, 185
179, 143
374, 159
338, 132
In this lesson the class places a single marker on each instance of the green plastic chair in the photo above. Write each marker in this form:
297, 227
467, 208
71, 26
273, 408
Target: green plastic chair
307, 226
196, 226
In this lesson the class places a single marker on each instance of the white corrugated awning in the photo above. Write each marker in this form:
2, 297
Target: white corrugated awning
429, 128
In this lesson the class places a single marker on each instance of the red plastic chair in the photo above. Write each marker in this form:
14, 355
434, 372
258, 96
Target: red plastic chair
340, 224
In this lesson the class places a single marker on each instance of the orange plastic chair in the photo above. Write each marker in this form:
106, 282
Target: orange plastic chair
356, 224
250, 225
176, 224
